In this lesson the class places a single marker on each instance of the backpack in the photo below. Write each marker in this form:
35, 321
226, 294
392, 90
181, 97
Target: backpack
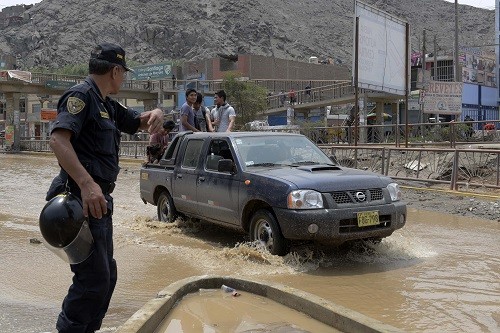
204, 112
197, 123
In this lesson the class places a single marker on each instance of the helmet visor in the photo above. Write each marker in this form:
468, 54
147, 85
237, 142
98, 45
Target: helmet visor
79, 249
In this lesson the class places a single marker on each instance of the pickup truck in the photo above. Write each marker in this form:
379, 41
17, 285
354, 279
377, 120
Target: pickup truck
277, 187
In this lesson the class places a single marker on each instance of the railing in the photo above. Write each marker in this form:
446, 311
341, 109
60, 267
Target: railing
458, 168
131, 149
449, 133
325, 93
319, 88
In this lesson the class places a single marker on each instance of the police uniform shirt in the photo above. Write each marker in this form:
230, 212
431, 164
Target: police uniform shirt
96, 125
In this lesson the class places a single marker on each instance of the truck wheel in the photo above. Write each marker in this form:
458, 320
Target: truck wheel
166, 209
264, 228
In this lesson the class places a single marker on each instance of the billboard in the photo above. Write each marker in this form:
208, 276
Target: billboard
154, 72
478, 66
381, 50
443, 97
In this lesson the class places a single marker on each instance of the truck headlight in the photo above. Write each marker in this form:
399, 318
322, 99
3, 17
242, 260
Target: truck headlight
304, 199
394, 191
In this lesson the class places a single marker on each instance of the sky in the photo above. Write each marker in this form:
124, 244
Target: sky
488, 4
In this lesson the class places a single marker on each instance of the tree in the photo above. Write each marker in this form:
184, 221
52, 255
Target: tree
247, 98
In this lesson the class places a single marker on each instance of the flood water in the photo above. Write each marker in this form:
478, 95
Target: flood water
439, 273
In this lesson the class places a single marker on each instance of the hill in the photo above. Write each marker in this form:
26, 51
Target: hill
63, 32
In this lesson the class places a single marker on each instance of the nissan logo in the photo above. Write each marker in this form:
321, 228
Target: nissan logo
360, 196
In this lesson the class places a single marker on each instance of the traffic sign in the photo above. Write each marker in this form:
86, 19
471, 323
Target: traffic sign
155, 71
59, 84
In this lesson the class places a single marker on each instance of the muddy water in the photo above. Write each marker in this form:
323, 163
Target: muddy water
440, 273
214, 311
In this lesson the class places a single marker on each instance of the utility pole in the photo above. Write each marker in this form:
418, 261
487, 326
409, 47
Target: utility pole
435, 71
423, 87
456, 42
435, 78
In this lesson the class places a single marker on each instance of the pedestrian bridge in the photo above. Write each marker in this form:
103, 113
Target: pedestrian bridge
322, 92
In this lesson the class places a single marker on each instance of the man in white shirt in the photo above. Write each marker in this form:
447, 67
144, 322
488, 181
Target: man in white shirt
225, 115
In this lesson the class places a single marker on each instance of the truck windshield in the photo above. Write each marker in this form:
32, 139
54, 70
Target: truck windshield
279, 150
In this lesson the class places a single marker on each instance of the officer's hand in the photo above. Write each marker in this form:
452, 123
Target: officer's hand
94, 201
152, 120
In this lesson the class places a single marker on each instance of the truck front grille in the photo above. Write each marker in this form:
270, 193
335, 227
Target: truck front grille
347, 197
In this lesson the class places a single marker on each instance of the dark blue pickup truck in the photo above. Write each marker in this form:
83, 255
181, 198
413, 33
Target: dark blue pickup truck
278, 187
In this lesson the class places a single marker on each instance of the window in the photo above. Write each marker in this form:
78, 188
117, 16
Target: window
219, 149
192, 154
22, 105
444, 71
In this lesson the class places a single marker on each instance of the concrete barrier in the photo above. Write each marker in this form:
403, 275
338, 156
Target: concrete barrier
151, 315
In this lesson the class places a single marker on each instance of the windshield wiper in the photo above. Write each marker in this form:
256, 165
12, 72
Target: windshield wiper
304, 163
266, 164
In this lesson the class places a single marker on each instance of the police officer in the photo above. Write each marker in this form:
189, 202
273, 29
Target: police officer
85, 139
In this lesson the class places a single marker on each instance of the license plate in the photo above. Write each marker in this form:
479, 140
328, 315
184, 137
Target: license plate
368, 218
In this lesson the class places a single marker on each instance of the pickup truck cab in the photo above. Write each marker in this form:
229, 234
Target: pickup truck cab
277, 187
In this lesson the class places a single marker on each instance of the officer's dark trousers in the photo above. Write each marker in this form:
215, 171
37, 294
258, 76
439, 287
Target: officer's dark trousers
94, 280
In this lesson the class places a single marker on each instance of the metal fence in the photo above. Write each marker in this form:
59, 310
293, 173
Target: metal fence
449, 133
458, 168
130, 149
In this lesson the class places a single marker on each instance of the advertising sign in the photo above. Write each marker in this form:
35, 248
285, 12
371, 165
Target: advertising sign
381, 50
155, 71
9, 135
414, 102
443, 97
478, 66
48, 114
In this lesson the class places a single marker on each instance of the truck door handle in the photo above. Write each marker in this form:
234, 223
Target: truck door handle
179, 176
201, 179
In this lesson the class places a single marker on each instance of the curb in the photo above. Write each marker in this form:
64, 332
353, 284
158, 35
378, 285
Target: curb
150, 316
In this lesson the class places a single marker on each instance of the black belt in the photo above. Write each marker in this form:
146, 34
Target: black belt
106, 187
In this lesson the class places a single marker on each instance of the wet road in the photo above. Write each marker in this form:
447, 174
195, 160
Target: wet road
439, 273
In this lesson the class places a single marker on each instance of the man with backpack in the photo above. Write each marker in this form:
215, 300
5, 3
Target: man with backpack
187, 113
201, 115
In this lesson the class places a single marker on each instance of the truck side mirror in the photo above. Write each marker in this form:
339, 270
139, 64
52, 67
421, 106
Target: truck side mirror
226, 165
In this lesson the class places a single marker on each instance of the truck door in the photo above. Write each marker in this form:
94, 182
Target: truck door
186, 177
218, 191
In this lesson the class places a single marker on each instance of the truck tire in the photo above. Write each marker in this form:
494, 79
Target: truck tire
166, 208
264, 229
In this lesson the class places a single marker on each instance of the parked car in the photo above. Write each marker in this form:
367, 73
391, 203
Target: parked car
277, 187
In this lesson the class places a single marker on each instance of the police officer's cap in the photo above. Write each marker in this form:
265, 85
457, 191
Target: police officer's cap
111, 53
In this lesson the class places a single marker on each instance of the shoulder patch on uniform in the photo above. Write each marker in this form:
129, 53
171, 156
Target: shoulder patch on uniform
74, 105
